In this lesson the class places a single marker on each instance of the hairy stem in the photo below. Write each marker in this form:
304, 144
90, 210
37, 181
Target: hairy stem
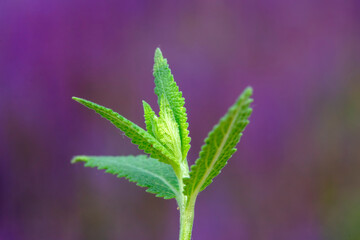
186, 205
187, 219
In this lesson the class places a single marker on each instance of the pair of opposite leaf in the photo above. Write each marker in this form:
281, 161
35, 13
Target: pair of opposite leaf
167, 142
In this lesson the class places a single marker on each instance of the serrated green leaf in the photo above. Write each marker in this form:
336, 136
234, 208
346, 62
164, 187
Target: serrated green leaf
166, 86
139, 136
166, 129
158, 177
149, 115
219, 145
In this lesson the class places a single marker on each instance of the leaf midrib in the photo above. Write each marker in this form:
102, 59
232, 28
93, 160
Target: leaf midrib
208, 171
153, 174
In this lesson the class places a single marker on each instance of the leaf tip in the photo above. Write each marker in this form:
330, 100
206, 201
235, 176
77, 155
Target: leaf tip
79, 100
79, 159
145, 104
248, 91
158, 53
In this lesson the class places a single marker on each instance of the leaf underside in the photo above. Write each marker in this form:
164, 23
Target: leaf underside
158, 177
219, 145
166, 86
139, 136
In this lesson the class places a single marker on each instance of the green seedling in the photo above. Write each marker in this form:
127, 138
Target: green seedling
164, 170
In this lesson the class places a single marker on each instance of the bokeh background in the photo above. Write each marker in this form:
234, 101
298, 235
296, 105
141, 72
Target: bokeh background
296, 174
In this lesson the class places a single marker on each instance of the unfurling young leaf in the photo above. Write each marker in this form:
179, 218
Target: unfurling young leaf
158, 177
166, 86
166, 129
149, 115
166, 139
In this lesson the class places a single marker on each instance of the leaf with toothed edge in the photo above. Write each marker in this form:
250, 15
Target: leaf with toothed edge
166, 86
166, 139
158, 177
219, 145
139, 136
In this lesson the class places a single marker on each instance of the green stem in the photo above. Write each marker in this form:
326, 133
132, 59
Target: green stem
187, 219
186, 206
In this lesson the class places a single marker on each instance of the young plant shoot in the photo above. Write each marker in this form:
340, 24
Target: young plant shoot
164, 170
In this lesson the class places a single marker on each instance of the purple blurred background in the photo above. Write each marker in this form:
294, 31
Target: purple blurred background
296, 173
